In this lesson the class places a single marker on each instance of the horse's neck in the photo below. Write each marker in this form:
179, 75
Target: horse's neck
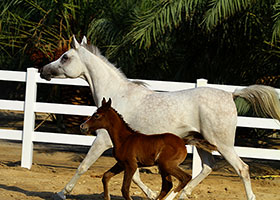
119, 132
104, 80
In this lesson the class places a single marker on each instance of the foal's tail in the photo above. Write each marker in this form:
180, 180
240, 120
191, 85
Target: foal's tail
264, 100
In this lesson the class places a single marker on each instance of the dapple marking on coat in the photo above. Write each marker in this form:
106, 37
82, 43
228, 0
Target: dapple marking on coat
208, 112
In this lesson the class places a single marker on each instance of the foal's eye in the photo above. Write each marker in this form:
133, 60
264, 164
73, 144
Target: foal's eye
96, 116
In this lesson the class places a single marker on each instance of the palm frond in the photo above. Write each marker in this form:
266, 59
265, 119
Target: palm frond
220, 10
276, 25
103, 29
150, 25
243, 107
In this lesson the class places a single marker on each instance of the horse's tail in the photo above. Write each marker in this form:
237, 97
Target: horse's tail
264, 100
196, 139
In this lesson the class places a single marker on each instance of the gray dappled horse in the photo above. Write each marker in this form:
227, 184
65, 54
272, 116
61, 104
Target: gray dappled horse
203, 112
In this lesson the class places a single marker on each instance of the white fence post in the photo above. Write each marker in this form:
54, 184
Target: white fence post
29, 118
197, 164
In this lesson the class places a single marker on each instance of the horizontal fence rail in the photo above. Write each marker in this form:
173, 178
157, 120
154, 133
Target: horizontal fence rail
28, 136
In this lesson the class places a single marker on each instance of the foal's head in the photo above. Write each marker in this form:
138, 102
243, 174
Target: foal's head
100, 119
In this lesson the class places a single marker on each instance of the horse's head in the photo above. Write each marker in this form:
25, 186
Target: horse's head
69, 65
100, 119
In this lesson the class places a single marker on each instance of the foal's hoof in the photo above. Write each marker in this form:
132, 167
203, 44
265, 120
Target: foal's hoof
59, 196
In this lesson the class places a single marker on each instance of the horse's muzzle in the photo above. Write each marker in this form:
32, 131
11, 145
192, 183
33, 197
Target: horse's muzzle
45, 73
84, 129
46, 76
49, 71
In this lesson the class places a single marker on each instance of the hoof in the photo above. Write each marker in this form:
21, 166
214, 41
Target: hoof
152, 195
184, 196
59, 196
253, 197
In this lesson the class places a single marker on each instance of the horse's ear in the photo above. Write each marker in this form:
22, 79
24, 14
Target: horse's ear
84, 41
75, 43
109, 102
103, 101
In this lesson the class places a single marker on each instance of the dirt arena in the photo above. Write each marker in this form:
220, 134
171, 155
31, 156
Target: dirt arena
54, 165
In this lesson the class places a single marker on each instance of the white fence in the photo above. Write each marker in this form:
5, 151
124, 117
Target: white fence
30, 106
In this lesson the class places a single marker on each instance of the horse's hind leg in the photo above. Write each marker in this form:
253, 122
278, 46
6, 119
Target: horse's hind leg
183, 178
166, 185
207, 165
170, 167
147, 191
240, 167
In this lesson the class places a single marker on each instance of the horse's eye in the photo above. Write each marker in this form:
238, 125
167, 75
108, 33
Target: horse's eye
96, 116
64, 57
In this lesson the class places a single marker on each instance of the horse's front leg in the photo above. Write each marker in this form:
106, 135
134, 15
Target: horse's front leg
147, 191
100, 144
116, 169
130, 169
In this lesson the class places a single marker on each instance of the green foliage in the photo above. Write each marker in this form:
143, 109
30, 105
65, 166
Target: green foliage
220, 10
162, 17
243, 107
234, 42
41, 29
276, 25
224, 41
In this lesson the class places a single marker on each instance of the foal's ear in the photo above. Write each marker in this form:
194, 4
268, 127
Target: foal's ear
106, 104
109, 102
103, 101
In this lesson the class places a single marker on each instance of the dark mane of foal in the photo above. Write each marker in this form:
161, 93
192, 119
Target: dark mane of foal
124, 122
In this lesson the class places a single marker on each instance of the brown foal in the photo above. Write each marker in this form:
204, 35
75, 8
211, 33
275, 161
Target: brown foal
133, 149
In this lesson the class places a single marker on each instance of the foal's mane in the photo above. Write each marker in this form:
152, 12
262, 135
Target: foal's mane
124, 122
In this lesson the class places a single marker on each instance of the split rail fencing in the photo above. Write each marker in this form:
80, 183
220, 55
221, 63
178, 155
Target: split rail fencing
30, 106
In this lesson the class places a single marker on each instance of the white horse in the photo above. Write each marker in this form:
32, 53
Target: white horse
202, 112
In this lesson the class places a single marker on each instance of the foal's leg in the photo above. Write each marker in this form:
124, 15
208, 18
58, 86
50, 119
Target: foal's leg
183, 178
207, 166
166, 184
130, 169
240, 167
100, 144
116, 169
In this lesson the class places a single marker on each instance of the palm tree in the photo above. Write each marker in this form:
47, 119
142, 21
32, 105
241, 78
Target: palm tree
239, 34
225, 41
139, 34
167, 15
41, 29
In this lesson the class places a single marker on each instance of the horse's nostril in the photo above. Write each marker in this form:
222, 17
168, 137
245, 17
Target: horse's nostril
45, 75
83, 128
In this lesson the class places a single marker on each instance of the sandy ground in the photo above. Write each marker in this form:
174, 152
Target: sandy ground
54, 165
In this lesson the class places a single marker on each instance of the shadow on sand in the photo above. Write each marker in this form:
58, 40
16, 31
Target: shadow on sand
53, 196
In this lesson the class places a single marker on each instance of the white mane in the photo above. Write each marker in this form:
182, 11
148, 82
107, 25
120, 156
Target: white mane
94, 50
